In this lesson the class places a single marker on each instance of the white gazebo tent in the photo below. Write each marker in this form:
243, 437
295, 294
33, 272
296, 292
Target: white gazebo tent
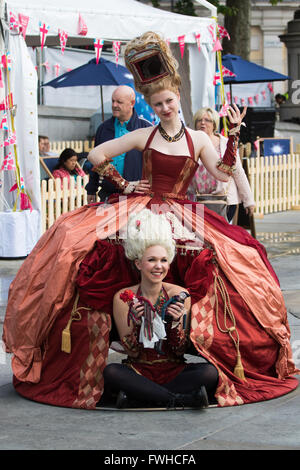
109, 20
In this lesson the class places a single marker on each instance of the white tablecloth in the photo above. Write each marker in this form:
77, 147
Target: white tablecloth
19, 232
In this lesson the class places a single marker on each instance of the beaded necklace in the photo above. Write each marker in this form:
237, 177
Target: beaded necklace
167, 137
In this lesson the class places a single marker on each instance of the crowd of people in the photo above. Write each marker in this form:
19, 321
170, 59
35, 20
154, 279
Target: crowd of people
147, 268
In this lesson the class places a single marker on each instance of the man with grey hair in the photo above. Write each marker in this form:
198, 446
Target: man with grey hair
124, 119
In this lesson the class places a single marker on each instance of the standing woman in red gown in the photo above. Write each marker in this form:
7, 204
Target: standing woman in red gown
58, 322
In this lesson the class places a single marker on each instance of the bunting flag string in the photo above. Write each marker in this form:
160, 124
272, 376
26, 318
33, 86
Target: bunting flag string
223, 32
181, 40
98, 45
116, 48
10, 140
8, 163
226, 73
82, 27
4, 123
23, 21
56, 67
44, 30
198, 41
14, 24
1, 80
6, 61
63, 37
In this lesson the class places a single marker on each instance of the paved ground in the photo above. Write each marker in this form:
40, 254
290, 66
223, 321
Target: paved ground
267, 425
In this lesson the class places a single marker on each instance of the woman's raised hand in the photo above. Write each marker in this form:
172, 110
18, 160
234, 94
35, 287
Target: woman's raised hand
235, 116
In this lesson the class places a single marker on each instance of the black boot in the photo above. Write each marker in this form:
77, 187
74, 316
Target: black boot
122, 400
195, 399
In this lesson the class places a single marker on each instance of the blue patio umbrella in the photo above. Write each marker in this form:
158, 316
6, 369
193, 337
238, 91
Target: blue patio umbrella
248, 72
91, 73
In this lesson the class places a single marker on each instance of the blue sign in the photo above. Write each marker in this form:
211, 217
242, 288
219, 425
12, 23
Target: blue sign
276, 147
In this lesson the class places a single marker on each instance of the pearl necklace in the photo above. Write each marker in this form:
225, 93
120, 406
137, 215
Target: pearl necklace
167, 137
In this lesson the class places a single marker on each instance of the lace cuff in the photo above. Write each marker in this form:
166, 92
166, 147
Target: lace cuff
227, 163
108, 171
131, 344
176, 339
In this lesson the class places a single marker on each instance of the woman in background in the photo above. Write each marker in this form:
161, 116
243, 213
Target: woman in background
67, 166
238, 188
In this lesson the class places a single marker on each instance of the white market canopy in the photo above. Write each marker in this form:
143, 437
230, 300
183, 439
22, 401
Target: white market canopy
110, 19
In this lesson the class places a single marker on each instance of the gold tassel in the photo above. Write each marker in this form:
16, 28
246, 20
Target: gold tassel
66, 338
239, 369
219, 285
66, 333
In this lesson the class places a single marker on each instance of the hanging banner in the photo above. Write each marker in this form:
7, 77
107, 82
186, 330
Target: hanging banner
98, 45
181, 40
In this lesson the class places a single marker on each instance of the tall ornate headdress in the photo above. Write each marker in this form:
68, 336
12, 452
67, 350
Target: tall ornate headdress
149, 59
148, 65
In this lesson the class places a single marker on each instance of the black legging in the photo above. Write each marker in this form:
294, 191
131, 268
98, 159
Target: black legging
120, 377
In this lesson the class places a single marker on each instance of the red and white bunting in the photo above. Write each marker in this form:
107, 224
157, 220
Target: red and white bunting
44, 30
82, 27
181, 40
223, 110
264, 95
270, 87
46, 65
256, 98
8, 163
225, 72
63, 37
23, 20
116, 48
216, 40
14, 23
198, 40
223, 32
1, 80
4, 123
217, 46
250, 100
6, 61
98, 45
56, 68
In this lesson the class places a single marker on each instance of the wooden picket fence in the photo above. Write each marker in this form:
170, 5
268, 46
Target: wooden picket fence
78, 145
275, 183
60, 197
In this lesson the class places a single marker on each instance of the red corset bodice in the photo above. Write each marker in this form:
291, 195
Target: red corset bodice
169, 174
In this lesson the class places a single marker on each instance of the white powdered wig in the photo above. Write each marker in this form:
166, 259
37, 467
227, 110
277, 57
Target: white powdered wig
147, 229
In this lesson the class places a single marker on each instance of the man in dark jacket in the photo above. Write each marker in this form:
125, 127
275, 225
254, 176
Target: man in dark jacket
124, 119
